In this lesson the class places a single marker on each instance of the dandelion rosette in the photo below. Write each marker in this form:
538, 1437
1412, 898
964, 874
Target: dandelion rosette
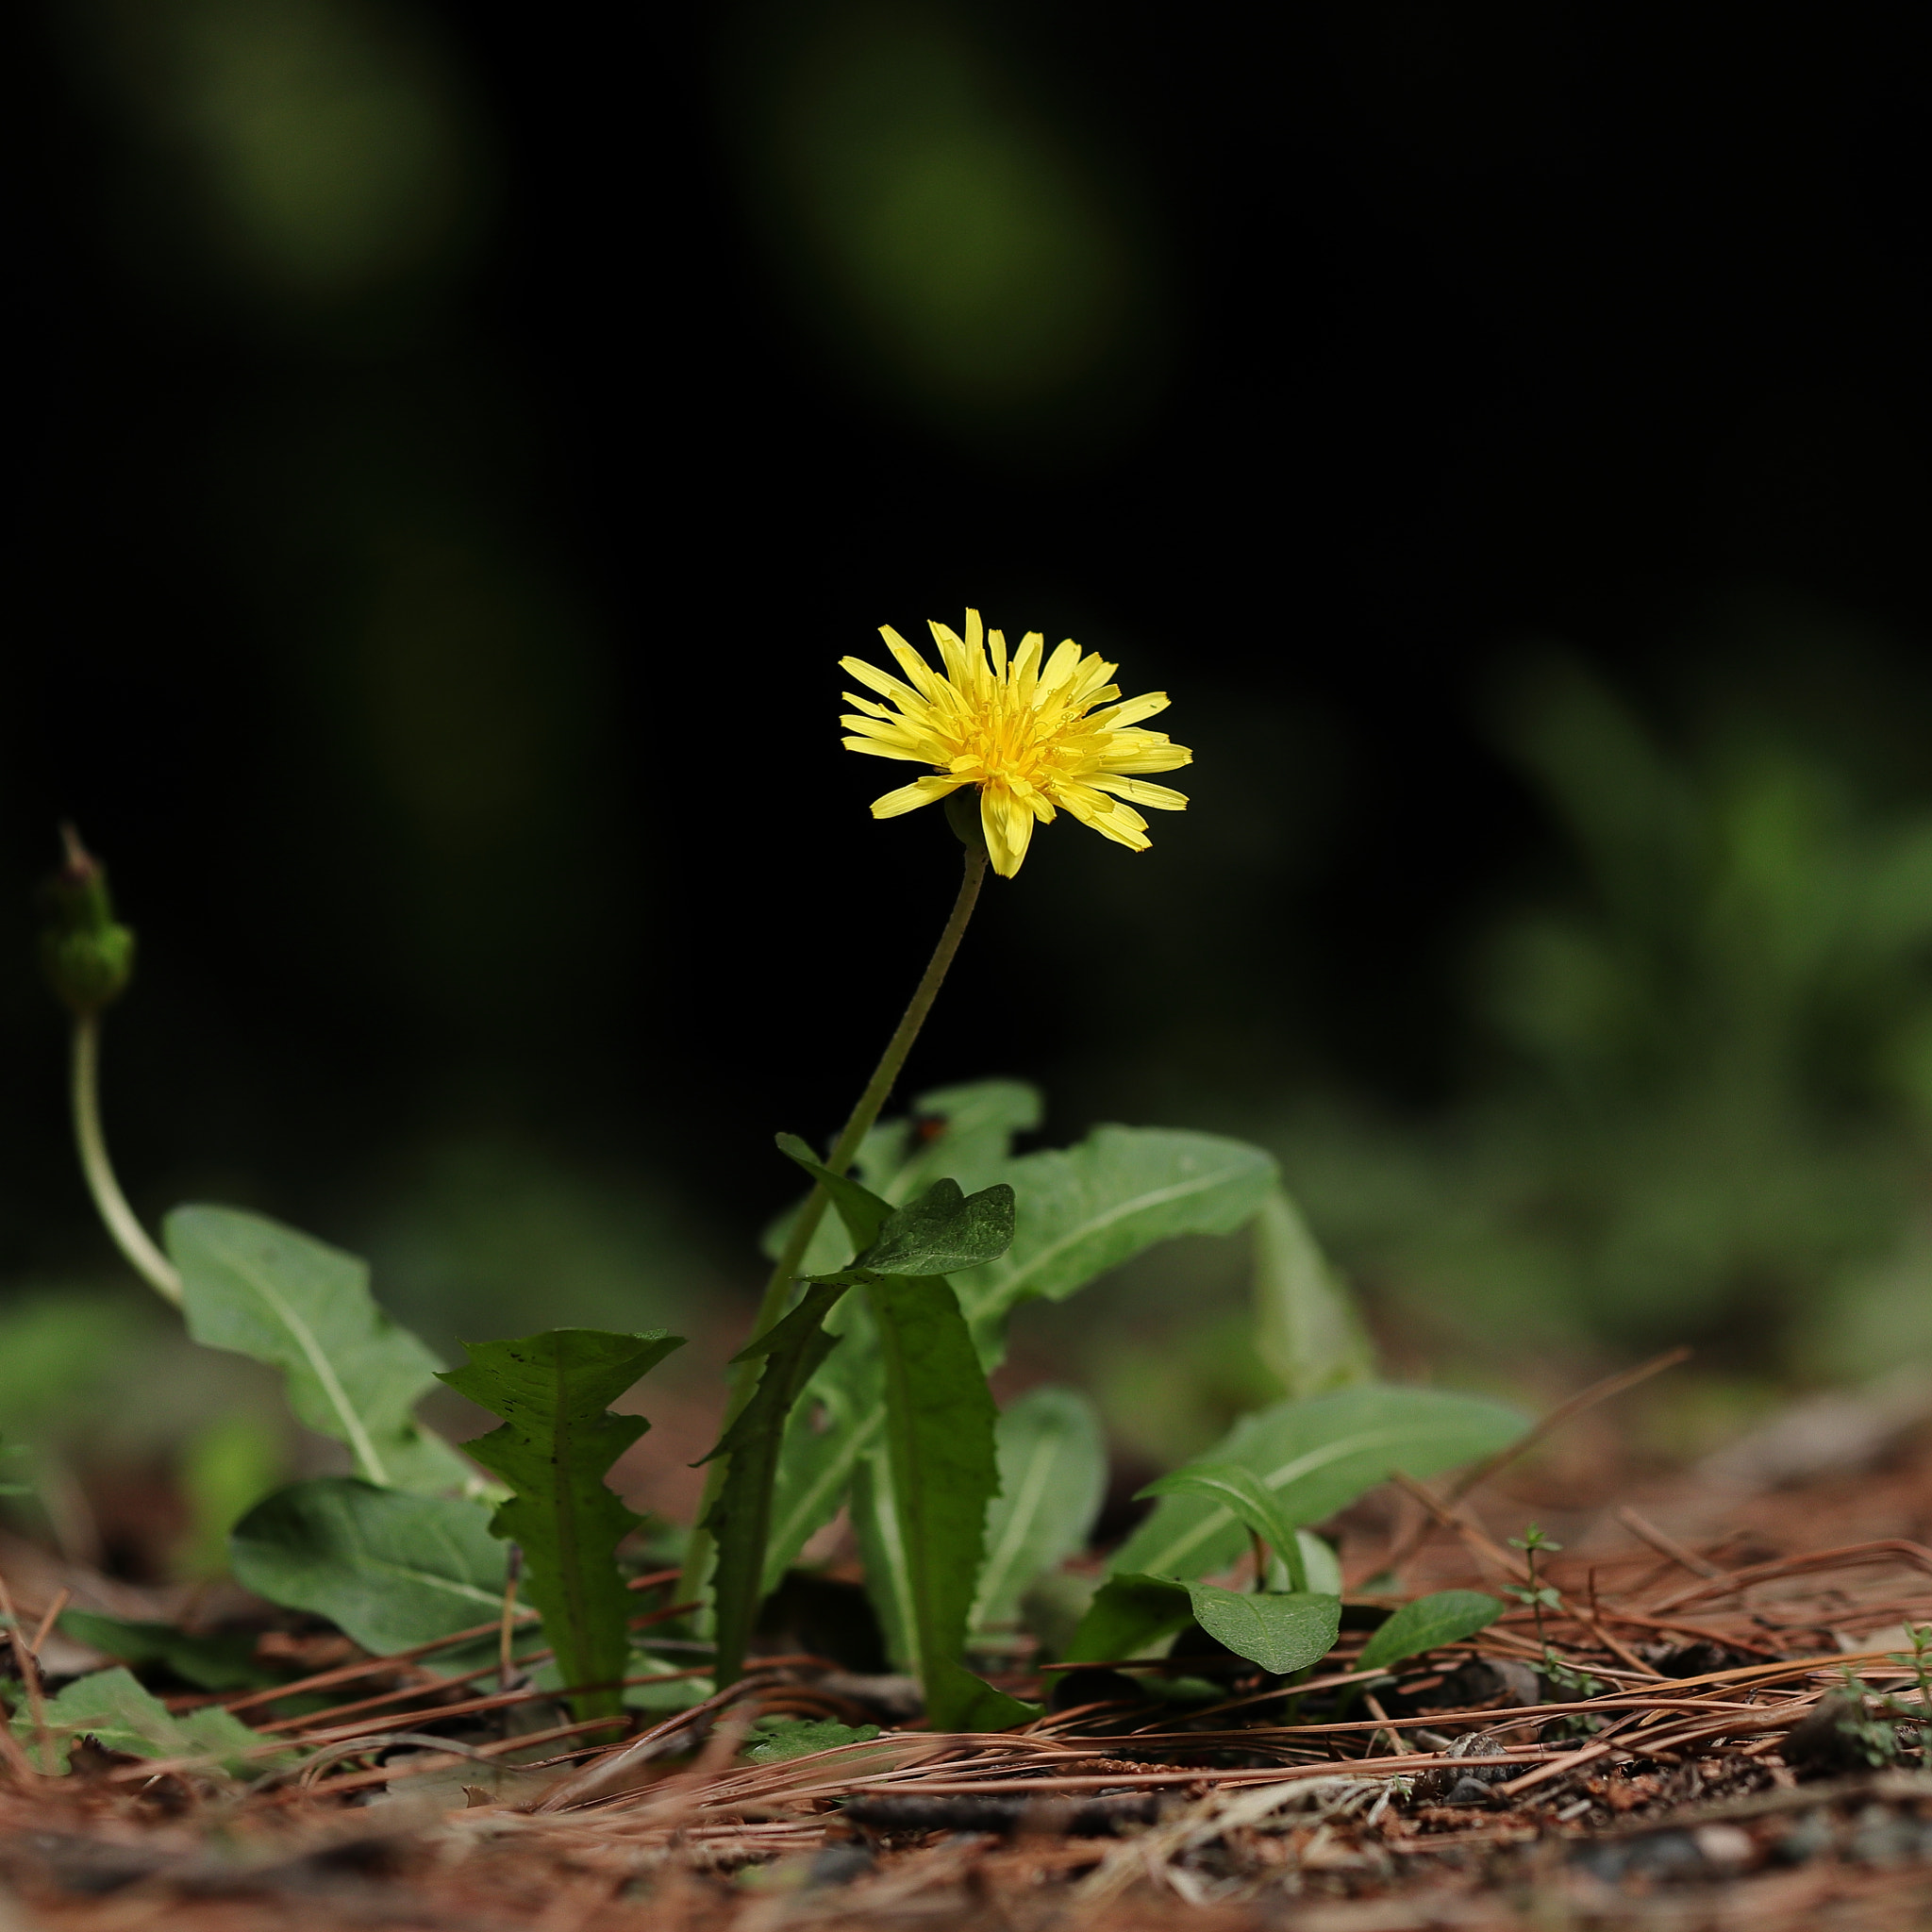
1036, 738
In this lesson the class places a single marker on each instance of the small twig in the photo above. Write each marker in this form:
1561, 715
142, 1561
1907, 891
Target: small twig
1665, 1544
29, 1678
47, 1616
1563, 1412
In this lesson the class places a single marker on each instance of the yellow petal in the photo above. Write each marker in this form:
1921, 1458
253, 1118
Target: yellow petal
1120, 716
911, 797
1140, 791
913, 665
884, 683
885, 750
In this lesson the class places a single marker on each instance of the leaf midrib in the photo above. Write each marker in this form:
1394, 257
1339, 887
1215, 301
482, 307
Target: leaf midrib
1306, 1464
1026, 1501
1154, 1197
357, 1433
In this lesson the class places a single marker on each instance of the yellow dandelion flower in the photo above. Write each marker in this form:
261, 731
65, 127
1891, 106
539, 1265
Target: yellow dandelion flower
1027, 733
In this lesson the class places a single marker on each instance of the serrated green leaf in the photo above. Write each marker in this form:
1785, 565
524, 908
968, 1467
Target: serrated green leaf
943, 1469
942, 1232
557, 1440
1306, 1330
1053, 1479
113, 1710
862, 1212
217, 1662
741, 1520
1446, 1617
252, 1286
388, 1569
1316, 1456
1085, 1209
1283, 1634
1130, 1613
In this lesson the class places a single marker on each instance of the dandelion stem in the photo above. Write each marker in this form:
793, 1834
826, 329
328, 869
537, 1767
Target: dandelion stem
129, 1236
744, 1379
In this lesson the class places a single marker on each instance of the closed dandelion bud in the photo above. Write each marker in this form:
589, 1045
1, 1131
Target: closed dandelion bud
88, 956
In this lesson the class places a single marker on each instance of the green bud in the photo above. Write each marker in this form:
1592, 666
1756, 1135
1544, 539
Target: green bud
962, 814
87, 957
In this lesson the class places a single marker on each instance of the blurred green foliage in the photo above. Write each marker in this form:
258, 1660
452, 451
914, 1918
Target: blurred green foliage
938, 220
1705, 1111
311, 153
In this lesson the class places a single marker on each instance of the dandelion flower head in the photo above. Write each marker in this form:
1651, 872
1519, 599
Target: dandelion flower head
1036, 738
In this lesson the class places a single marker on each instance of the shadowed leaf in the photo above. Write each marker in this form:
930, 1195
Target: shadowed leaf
387, 1568
557, 1440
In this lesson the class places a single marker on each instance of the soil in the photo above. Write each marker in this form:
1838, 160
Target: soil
1716, 1729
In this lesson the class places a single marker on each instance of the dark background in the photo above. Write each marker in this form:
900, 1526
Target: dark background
435, 631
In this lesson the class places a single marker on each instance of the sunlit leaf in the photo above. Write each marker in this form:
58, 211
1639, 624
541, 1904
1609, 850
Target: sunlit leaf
1283, 1634
1085, 1209
1446, 1617
251, 1285
1316, 1456
1053, 1479
1306, 1330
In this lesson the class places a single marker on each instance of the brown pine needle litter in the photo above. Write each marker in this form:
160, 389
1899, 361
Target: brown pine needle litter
1719, 1734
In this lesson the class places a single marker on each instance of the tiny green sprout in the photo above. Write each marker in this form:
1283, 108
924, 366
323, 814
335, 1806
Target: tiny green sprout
86, 953
1920, 1664
1539, 1597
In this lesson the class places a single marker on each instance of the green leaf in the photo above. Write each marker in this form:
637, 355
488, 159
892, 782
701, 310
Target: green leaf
942, 1232
387, 1569
554, 1393
120, 1715
1085, 1209
208, 1662
956, 1699
772, 1739
1130, 1613
963, 1131
1306, 1330
861, 1210
1282, 1634
944, 1471
1239, 1489
882, 1548
1448, 1617
741, 1520
1053, 1479
253, 1286
1316, 1456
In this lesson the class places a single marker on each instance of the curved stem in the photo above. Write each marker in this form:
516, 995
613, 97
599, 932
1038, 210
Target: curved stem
745, 1377
129, 1236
